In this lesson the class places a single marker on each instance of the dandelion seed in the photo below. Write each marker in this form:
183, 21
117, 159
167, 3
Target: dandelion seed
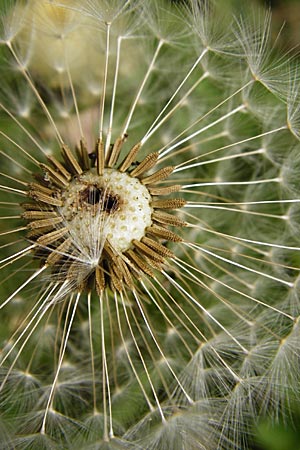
149, 226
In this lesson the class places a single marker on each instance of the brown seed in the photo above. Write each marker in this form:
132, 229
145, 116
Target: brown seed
100, 280
148, 251
145, 165
51, 222
125, 273
54, 176
158, 176
43, 198
59, 167
115, 278
157, 247
163, 233
85, 160
57, 254
32, 215
71, 161
100, 157
166, 190
49, 238
167, 219
173, 203
130, 157
115, 151
40, 188
139, 263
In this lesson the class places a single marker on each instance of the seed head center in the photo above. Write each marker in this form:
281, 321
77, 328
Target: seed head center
113, 207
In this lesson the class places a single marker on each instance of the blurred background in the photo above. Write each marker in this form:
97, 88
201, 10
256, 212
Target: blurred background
287, 12
285, 17
285, 435
286, 34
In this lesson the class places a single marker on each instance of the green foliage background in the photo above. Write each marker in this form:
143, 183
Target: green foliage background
286, 33
286, 21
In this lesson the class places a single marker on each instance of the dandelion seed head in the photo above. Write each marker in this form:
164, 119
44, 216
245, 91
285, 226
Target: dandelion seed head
149, 203
84, 219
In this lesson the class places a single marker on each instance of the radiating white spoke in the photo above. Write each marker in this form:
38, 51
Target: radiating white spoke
241, 266
145, 79
231, 288
225, 208
15, 162
105, 375
150, 406
35, 91
189, 399
104, 85
26, 132
202, 130
241, 239
11, 243
62, 354
206, 312
73, 92
31, 326
92, 353
142, 360
15, 230
15, 191
8, 204
20, 288
153, 130
17, 255
104, 371
181, 167
231, 183
9, 217
164, 151
9, 177
258, 202
113, 96
185, 165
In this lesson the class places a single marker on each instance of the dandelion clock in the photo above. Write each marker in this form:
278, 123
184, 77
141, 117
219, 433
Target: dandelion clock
149, 226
